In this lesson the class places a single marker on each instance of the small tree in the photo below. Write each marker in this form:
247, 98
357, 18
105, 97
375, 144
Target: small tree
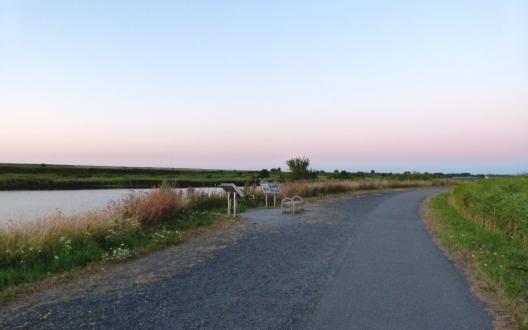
264, 173
299, 168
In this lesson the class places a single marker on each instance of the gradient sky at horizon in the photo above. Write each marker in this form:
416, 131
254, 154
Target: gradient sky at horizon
383, 85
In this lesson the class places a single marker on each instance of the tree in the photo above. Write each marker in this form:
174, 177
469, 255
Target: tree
264, 173
275, 170
299, 168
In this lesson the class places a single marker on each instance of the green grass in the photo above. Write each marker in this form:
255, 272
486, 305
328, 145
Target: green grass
498, 204
498, 259
69, 253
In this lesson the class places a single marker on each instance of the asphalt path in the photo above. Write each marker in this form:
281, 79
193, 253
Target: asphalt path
360, 262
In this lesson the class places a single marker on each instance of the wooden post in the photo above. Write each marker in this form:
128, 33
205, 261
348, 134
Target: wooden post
266, 197
274, 200
234, 204
228, 203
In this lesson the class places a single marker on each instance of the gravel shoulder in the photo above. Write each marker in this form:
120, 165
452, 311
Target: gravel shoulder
364, 261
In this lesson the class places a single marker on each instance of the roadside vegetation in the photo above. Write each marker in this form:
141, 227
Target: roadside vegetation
60, 243
499, 205
483, 225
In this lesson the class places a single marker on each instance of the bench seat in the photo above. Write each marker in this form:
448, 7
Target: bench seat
291, 203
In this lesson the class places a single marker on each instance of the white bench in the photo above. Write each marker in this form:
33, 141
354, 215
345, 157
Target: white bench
291, 203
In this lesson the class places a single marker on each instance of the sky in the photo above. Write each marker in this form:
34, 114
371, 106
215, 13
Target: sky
353, 85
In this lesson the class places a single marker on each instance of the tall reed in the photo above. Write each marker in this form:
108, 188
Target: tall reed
62, 242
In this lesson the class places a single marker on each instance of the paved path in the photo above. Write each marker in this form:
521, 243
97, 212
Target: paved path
364, 262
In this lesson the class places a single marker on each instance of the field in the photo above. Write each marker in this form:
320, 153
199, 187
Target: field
45, 176
483, 225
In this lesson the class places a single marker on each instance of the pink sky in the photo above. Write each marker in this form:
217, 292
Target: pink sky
253, 86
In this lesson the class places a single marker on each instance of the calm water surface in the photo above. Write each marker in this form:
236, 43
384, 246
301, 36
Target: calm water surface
27, 206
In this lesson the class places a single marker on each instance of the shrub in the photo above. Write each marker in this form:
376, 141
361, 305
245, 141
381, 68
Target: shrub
264, 173
299, 168
253, 196
152, 207
204, 201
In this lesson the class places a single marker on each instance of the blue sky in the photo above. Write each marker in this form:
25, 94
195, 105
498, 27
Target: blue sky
384, 85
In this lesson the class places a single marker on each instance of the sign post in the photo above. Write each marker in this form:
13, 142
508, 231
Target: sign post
231, 188
270, 189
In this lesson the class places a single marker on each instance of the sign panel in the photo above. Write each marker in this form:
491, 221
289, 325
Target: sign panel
231, 187
270, 188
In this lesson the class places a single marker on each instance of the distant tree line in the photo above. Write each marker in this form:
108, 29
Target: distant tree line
299, 169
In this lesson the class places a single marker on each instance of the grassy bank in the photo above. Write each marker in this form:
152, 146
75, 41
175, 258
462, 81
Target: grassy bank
480, 226
59, 243
499, 205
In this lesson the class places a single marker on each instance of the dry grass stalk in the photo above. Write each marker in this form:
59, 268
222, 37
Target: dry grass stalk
317, 188
143, 209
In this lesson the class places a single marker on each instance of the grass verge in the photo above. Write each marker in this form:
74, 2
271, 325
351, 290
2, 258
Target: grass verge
70, 254
496, 263
197, 225
58, 244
